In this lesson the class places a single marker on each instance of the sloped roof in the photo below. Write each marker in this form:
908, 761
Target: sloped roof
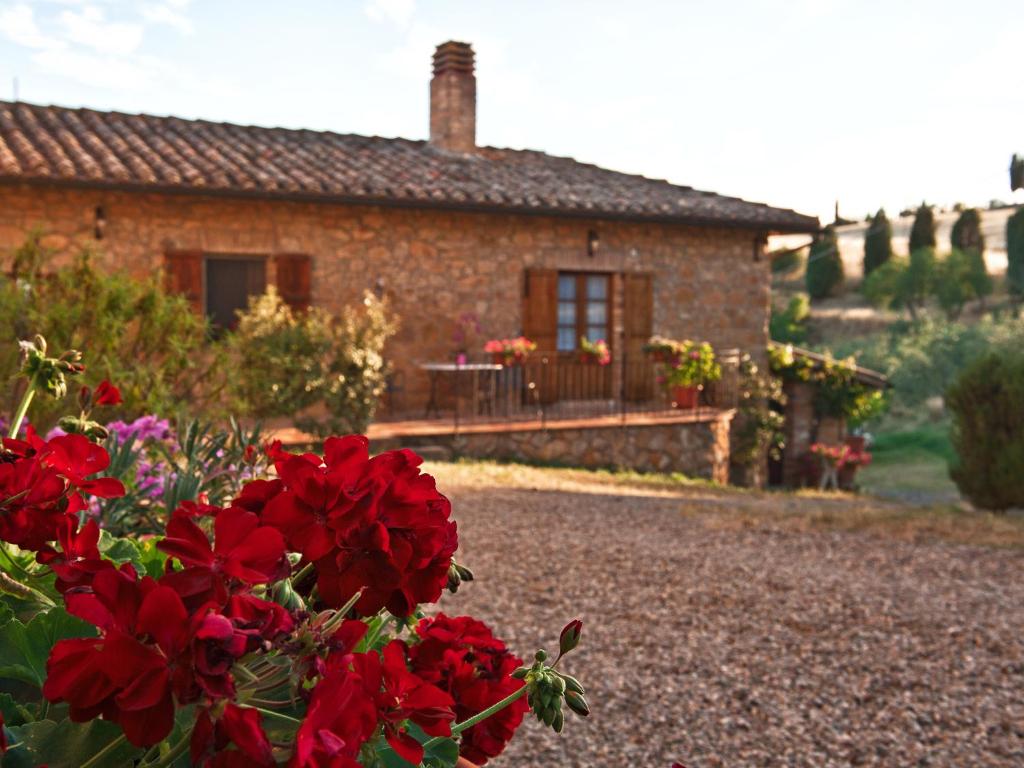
60, 145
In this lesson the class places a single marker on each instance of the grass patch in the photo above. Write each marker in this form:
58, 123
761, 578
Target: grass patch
912, 464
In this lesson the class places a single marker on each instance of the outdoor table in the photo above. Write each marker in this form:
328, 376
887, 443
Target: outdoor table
435, 370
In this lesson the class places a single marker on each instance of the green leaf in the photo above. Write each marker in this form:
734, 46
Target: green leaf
25, 648
443, 754
67, 745
143, 555
13, 712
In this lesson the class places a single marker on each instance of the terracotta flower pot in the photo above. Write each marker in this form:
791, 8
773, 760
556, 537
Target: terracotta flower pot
685, 397
464, 763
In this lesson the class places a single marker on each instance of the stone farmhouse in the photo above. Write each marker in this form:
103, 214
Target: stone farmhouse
525, 241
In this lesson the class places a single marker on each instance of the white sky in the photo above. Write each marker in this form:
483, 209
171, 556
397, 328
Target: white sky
793, 103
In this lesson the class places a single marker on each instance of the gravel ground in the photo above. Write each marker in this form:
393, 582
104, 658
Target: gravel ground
721, 643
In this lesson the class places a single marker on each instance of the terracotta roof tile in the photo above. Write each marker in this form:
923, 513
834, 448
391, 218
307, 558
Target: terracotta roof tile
84, 146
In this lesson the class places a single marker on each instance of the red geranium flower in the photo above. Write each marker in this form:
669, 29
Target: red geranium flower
106, 394
78, 558
238, 726
376, 525
340, 718
75, 458
244, 553
402, 695
461, 656
260, 620
126, 673
31, 501
216, 644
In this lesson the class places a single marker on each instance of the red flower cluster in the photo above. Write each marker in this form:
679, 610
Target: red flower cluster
42, 481
376, 527
461, 656
372, 524
151, 652
361, 691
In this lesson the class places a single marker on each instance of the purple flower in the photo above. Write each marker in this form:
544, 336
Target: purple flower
144, 428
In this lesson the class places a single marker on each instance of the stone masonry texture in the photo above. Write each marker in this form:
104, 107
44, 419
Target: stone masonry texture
434, 265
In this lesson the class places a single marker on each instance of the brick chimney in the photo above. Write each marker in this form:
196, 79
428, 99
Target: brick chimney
453, 98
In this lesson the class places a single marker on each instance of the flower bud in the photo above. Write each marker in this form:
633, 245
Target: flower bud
570, 636
541, 655
521, 673
572, 684
577, 703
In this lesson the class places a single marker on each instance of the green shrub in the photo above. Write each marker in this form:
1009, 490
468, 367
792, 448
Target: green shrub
148, 342
295, 361
922, 232
883, 284
281, 352
987, 405
824, 273
959, 278
1015, 253
903, 283
877, 243
789, 325
922, 360
966, 234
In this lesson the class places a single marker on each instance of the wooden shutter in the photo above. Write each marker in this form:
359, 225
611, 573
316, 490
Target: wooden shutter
183, 273
540, 325
540, 308
638, 325
294, 279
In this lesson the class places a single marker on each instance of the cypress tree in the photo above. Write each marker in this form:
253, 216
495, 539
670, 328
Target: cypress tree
877, 242
922, 233
966, 234
824, 272
1015, 254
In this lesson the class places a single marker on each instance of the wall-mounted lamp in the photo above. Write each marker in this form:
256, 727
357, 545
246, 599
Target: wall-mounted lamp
593, 241
759, 245
99, 223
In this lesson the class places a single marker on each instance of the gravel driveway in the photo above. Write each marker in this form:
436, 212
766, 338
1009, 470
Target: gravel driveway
717, 642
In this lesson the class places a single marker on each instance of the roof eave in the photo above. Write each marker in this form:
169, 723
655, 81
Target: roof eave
809, 225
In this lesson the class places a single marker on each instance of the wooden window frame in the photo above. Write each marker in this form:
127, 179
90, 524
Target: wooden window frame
582, 300
263, 258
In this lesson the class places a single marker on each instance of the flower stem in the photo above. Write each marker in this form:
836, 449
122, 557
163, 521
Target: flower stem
176, 751
479, 717
278, 715
303, 573
96, 759
19, 415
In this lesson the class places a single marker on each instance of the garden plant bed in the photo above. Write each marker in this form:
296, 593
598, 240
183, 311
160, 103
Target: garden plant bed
740, 628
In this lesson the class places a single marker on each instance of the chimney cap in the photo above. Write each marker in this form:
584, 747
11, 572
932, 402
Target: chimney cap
453, 56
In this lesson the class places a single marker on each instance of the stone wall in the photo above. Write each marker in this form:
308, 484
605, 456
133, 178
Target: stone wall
804, 427
698, 448
434, 265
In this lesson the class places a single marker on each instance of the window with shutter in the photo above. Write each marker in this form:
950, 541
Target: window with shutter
584, 309
294, 279
230, 282
183, 273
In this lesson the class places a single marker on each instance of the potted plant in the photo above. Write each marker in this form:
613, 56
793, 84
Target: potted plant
694, 367
509, 352
594, 351
839, 464
662, 350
